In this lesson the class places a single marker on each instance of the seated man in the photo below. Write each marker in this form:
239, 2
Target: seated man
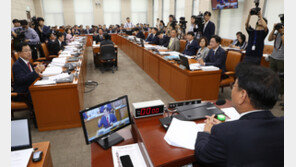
98, 38
139, 33
154, 39
191, 45
163, 39
216, 56
150, 35
24, 74
107, 119
106, 39
257, 138
174, 42
57, 47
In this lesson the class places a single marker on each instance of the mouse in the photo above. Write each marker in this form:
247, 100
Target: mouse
37, 156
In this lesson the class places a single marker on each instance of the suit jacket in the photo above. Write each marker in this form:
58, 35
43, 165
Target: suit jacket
256, 139
55, 47
140, 35
149, 38
23, 77
209, 31
218, 59
98, 39
164, 41
175, 46
104, 121
154, 40
192, 48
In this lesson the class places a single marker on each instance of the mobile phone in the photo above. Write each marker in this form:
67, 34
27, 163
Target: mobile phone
126, 161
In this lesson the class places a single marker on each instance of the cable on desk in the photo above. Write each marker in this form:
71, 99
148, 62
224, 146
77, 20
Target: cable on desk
92, 85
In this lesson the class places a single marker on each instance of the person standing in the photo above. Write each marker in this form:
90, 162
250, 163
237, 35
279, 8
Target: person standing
128, 26
209, 26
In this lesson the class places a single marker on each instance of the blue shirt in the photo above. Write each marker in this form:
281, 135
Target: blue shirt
31, 35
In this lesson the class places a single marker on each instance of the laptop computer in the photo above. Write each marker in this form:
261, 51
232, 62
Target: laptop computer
184, 61
20, 134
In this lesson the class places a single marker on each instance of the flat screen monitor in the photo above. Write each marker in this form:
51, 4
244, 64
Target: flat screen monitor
20, 134
224, 4
101, 121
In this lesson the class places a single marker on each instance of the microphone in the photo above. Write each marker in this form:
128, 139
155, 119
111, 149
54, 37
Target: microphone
220, 102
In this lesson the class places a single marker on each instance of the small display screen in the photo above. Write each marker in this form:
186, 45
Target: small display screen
156, 110
103, 119
224, 4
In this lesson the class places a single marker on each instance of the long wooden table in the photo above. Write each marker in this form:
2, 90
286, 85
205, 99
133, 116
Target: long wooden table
57, 106
179, 83
150, 134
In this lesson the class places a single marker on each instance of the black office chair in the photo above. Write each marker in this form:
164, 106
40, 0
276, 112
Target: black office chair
108, 58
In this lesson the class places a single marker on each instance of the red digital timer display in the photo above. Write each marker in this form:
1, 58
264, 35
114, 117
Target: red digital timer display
149, 111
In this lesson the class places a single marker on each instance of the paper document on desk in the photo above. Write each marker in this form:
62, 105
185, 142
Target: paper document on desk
209, 68
231, 113
52, 70
194, 66
183, 133
44, 82
132, 150
20, 158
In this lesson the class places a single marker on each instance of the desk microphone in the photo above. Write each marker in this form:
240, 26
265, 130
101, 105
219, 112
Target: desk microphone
220, 102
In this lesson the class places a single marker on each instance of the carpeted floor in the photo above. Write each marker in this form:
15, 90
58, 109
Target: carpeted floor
68, 147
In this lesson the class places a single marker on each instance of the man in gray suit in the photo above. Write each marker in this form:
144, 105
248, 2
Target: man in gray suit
174, 44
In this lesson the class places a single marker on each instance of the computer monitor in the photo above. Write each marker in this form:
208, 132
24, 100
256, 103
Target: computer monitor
184, 61
20, 134
102, 121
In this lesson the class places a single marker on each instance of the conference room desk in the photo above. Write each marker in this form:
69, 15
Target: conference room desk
57, 106
46, 160
150, 133
179, 83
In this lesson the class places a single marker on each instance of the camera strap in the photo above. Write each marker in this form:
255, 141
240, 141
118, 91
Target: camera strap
255, 39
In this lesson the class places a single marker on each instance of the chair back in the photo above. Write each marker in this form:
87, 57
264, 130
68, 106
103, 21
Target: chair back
45, 50
232, 60
268, 49
226, 42
12, 62
107, 52
182, 45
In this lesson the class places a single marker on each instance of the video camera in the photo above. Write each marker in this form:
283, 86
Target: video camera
255, 10
199, 21
182, 23
173, 24
281, 24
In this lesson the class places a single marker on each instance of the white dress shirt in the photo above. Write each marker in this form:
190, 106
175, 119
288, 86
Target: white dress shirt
205, 25
31, 69
245, 113
128, 25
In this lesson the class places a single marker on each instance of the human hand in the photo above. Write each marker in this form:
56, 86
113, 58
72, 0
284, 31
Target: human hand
201, 62
210, 122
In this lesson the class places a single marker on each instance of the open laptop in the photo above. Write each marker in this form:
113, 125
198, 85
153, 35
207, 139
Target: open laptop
20, 134
185, 62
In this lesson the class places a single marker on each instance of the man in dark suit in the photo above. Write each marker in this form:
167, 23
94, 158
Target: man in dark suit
106, 39
150, 35
209, 27
257, 137
99, 38
57, 47
216, 56
191, 45
23, 73
107, 119
139, 33
163, 39
154, 38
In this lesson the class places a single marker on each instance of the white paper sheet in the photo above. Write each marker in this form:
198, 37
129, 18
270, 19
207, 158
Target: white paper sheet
231, 113
194, 66
20, 158
209, 68
44, 82
183, 133
132, 150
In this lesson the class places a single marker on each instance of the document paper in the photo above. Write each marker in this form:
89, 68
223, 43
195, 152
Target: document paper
20, 158
231, 113
132, 150
183, 133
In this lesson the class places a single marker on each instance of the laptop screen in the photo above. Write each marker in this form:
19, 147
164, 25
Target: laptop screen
20, 134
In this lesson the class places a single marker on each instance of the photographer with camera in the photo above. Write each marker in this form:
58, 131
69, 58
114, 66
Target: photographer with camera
31, 37
16, 32
172, 23
209, 26
254, 50
42, 30
277, 57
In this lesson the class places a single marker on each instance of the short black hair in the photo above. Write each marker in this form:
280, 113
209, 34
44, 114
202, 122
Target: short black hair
136, 29
264, 20
127, 18
243, 37
19, 47
238, 33
208, 13
107, 36
261, 84
15, 21
40, 19
174, 30
59, 34
154, 28
24, 22
217, 38
206, 44
190, 33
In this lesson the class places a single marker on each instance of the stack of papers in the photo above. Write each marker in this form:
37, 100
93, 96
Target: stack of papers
20, 158
65, 54
148, 46
59, 76
209, 68
231, 113
183, 133
52, 70
44, 82
194, 66
59, 61
132, 150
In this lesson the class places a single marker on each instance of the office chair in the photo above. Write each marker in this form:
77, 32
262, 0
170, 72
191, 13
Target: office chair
232, 60
108, 58
226, 42
17, 106
46, 52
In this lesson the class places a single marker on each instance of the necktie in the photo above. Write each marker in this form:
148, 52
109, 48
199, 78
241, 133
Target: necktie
29, 66
171, 41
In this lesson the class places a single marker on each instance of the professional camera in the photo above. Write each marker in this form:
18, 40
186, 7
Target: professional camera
281, 18
281, 24
199, 21
255, 10
183, 23
173, 24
